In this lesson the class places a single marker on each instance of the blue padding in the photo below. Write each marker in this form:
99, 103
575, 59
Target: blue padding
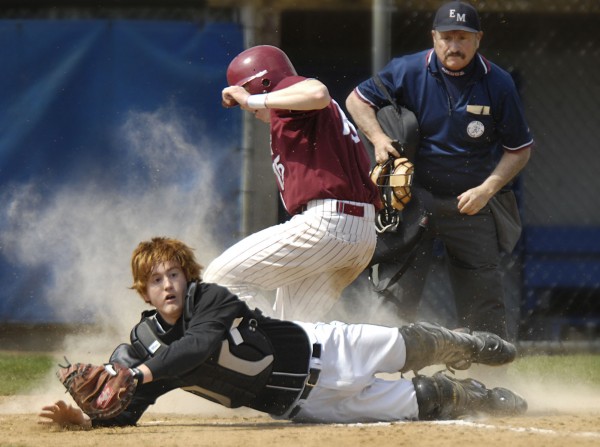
76, 95
549, 273
568, 240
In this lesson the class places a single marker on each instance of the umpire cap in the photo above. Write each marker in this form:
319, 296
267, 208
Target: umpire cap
457, 16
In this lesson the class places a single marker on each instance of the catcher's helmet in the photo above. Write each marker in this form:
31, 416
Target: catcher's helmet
259, 69
394, 179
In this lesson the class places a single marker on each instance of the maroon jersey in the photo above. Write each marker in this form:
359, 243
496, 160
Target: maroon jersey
317, 154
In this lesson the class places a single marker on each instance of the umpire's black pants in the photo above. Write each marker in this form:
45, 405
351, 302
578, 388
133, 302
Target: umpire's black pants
473, 257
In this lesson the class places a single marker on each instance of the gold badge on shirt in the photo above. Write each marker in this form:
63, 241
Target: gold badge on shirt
478, 110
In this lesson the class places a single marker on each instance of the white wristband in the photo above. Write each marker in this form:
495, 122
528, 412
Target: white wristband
257, 101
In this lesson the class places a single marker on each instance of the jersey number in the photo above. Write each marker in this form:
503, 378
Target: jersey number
348, 127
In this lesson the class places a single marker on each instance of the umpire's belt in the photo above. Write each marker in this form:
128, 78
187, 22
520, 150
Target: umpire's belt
311, 380
338, 206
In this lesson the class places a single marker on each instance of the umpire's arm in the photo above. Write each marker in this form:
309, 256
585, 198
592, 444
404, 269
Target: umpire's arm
365, 117
511, 163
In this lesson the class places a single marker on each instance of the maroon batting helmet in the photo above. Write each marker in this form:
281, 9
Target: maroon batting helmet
259, 69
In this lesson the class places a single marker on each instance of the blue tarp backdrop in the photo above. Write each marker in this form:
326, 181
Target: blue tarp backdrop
93, 112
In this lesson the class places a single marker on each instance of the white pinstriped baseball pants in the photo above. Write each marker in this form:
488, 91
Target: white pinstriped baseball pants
309, 259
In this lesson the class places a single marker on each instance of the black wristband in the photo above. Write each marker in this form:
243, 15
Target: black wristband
138, 374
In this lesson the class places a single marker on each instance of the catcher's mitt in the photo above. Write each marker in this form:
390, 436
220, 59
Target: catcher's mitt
394, 179
101, 391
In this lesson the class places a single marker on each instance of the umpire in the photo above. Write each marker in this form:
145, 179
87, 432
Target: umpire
474, 141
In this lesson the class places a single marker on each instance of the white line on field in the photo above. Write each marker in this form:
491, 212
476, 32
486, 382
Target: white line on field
543, 431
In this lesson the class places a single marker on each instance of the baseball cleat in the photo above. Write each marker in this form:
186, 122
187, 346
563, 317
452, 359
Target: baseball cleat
441, 398
431, 344
493, 350
503, 402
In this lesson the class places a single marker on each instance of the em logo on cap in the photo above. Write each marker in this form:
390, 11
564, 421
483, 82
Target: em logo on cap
457, 16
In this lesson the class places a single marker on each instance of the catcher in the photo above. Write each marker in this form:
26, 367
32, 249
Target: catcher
203, 339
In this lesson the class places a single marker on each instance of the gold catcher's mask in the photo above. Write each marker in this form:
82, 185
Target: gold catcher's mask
394, 179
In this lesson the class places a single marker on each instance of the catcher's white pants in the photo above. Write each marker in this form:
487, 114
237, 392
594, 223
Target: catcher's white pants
309, 259
347, 390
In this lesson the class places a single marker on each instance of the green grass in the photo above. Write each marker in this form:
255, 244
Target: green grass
20, 372
576, 369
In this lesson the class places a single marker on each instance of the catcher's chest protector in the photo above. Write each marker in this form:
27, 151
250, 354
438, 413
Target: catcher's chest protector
233, 375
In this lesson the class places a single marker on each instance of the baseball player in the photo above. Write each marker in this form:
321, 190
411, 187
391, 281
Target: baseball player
203, 339
322, 172
474, 141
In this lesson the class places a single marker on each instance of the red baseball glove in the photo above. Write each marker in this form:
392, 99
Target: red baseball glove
101, 392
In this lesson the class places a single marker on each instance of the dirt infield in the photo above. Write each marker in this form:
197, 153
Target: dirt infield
558, 416
562, 412
165, 430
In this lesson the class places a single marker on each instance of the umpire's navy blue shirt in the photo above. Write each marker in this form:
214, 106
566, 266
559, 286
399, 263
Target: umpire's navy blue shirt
462, 136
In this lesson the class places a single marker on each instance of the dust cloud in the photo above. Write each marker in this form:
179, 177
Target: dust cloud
558, 395
550, 392
85, 233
